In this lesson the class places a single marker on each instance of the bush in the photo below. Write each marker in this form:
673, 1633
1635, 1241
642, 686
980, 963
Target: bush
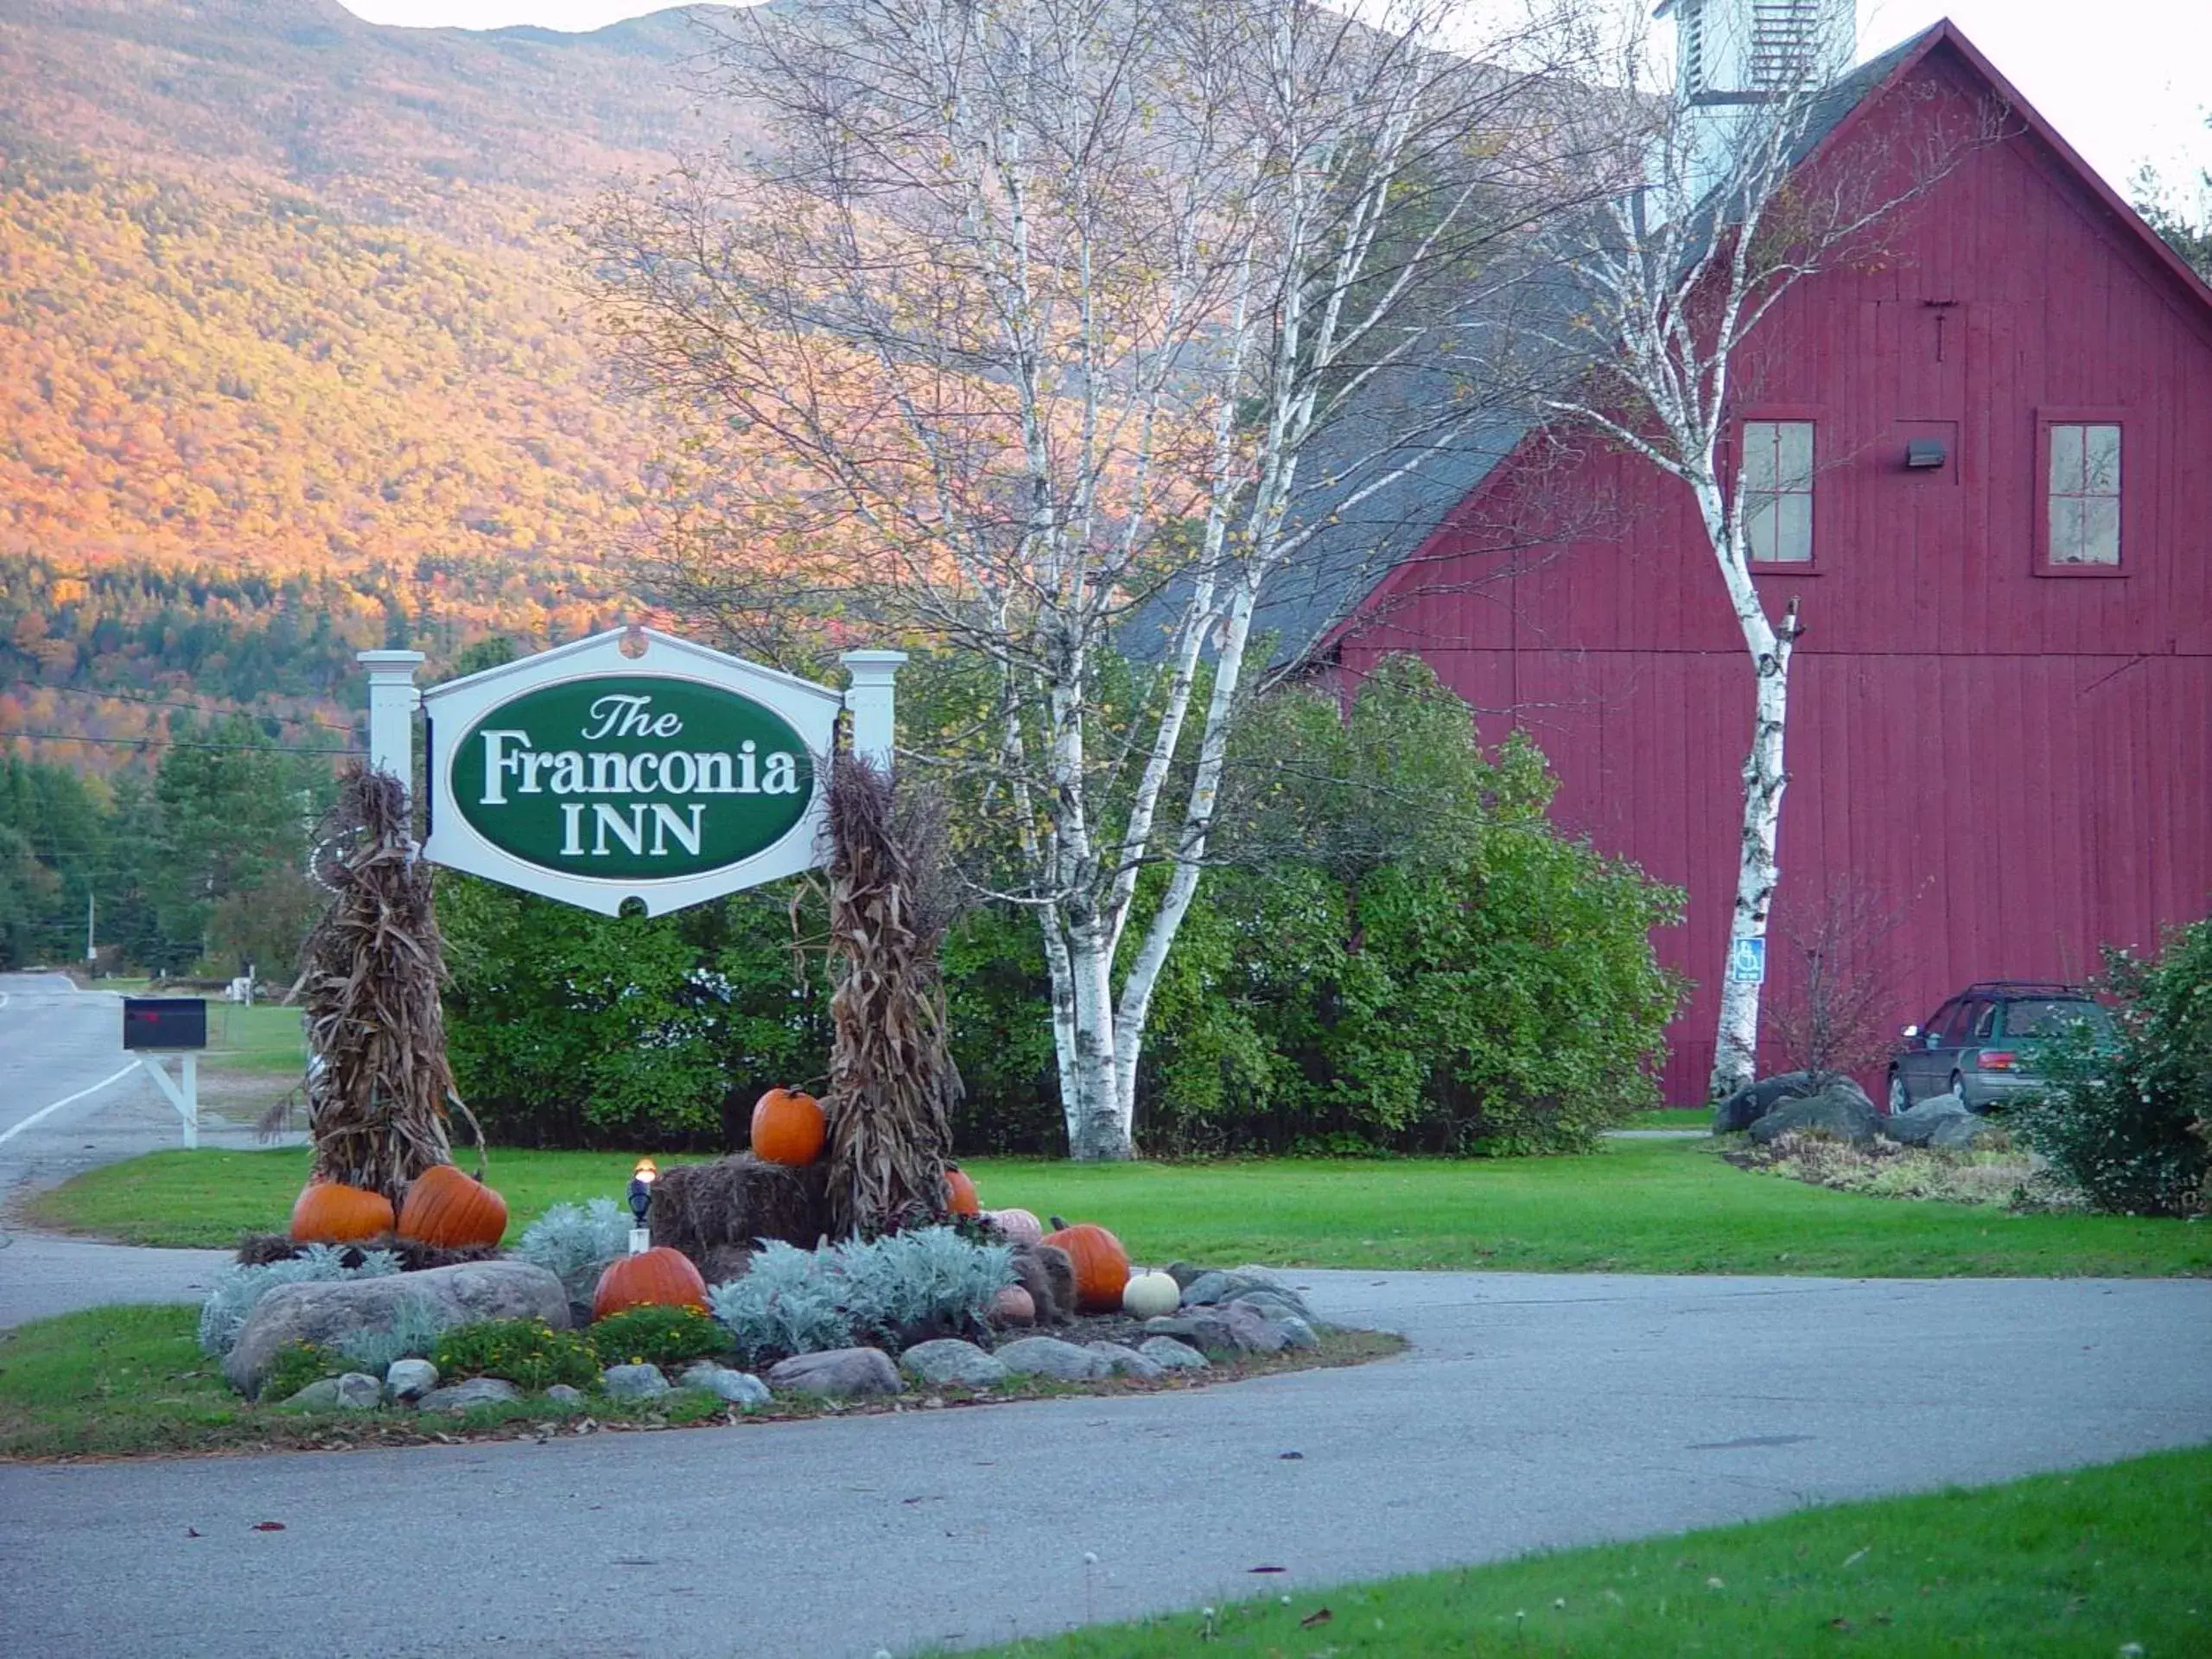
575, 1242
527, 1353
795, 1301
667, 1337
238, 1288
295, 1366
2130, 1127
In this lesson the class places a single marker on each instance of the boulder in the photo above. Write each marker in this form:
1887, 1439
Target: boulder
1171, 1355
1916, 1128
1841, 1110
406, 1381
1276, 1304
1254, 1332
1209, 1289
1202, 1328
1755, 1100
738, 1388
1127, 1362
841, 1374
327, 1313
476, 1391
1185, 1273
1963, 1133
1049, 1356
358, 1391
562, 1395
321, 1394
949, 1360
633, 1381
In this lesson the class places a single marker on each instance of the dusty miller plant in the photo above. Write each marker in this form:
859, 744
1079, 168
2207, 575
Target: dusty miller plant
417, 1325
795, 1301
575, 1242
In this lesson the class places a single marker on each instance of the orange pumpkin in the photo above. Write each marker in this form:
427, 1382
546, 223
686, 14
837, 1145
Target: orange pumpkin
788, 1128
1102, 1266
960, 1194
330, 1212
452, 1210
659, 1277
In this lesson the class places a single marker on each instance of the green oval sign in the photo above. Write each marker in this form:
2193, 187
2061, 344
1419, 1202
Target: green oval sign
630, 776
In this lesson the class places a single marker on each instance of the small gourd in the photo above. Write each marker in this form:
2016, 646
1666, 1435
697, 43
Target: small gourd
1151, 1296
960, 1196
1013, 1306
1015, 1226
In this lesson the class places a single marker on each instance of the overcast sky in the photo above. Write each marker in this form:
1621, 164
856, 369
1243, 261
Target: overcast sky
2127, 81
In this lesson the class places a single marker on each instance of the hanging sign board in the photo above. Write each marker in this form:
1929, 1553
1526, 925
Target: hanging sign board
631, 764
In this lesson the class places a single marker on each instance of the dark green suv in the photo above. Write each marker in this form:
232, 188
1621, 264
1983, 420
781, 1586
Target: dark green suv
1983, 1045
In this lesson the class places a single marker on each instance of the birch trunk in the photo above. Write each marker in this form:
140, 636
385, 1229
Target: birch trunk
1099, 1129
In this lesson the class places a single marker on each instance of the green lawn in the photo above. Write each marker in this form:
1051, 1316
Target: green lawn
2102, 1561
1635, 1207
1672, 1118
262, 1039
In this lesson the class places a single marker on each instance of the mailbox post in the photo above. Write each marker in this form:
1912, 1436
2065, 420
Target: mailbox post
156, 1025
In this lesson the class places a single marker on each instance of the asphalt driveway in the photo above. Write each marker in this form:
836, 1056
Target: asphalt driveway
1534, 1412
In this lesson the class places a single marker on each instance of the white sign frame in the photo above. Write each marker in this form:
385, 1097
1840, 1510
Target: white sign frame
456, 707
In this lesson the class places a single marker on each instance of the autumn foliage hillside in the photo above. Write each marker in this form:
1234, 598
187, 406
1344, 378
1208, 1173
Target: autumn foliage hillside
287, 366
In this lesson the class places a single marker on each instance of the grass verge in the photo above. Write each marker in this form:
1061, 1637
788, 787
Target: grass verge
1650, 1206
131, 1382
2115, 1559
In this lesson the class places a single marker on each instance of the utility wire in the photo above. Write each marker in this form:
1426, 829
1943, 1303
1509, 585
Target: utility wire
168, 702
174, 743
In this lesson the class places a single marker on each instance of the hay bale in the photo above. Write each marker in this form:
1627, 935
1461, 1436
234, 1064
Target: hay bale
1046, 1271
698, 1208
724, 1262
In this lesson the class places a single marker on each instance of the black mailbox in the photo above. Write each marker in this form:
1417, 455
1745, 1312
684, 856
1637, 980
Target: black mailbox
164, 1022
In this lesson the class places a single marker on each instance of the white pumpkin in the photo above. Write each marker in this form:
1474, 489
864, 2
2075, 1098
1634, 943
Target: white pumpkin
1151, 1295
1015, 1226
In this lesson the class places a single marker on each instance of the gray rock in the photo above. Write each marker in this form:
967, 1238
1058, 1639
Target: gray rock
1049, 1356
327, 1313
1276, 1304
1916, 1128
1127, 1362
1185, 1274
476, 1391
1226, 1286
1841, 1110
1202, 1328
841, 1374
738, 1388
358, 1391
633, 1381
1963, 1133
562, 1395
1254, 1332
406, 1381
319, 1395
1755, 1100
1301, 1334
950, 1360
1171, 1355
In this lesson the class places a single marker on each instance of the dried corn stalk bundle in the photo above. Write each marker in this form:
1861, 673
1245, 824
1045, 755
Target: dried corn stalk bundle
892, 1084
374, 965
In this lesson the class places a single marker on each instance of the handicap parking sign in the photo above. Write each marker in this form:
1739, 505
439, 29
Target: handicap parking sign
1747, 961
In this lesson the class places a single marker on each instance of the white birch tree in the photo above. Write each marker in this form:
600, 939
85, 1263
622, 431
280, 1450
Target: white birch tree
1016, 337
1672, 284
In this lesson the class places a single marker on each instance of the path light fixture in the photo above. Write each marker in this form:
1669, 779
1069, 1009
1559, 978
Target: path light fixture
641, 1197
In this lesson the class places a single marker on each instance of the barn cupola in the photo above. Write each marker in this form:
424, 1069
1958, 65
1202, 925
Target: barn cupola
1732, 57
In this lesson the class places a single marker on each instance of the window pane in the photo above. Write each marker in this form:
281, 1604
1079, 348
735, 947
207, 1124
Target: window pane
1794, 458
1758, 455
2100, 460
2101, 529
2066, 461
1794, 541
1759, 527
2066, 530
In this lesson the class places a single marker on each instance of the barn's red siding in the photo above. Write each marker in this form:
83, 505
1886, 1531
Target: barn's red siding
2021, 764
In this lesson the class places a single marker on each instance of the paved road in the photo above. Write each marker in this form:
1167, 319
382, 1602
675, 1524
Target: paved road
1534, 1412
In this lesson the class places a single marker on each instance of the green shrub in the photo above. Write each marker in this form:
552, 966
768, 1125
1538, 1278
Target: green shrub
2129, 1127
527, 1353
667, 1337
295, 1366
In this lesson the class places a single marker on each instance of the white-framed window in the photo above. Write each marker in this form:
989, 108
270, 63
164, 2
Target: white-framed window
1776, 481
2082, 517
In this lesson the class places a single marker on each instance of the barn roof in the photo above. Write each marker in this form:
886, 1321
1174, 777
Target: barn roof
1358, 547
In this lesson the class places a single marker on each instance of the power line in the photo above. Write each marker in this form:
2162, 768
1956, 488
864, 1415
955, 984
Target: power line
168, 702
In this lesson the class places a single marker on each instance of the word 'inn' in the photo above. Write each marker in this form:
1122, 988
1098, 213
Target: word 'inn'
512, 762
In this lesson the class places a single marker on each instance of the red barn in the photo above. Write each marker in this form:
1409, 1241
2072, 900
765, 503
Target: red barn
2000, 718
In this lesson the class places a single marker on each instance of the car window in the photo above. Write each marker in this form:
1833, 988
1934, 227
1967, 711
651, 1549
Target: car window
1936, 1020
1954, 1026
2054, 1016
1985, 1020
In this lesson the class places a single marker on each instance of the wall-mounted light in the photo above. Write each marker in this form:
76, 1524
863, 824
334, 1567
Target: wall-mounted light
1925, 454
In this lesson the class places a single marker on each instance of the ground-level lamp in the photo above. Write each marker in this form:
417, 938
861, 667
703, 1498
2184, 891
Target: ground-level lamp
641, 1198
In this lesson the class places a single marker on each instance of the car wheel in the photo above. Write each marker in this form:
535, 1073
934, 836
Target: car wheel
1959, 1088
1900, 1098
